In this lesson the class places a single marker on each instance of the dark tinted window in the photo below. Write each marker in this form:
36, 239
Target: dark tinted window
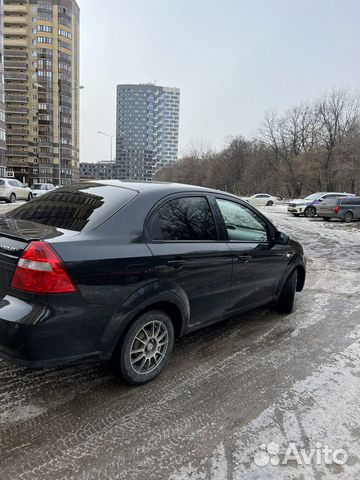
2, 183
187, 218
75, 207
350, 201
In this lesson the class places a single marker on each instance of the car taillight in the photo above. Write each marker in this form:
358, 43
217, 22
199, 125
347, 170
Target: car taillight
40, 270
337, 209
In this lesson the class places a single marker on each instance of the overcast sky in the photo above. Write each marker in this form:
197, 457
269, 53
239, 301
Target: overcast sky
232, 60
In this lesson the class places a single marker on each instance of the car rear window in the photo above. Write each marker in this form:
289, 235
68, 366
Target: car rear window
2, 183
76, 207
350, 201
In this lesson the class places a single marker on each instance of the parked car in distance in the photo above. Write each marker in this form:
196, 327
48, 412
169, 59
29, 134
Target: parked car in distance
39, 189
307, 206
261, 199
114, 270
346, 209
12, 190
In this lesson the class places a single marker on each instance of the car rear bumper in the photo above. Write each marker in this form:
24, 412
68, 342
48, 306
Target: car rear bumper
37, 335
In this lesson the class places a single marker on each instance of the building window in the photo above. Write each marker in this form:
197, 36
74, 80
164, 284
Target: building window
47, 40
45, 16
64, 45
45, 6
45, 28
64, 33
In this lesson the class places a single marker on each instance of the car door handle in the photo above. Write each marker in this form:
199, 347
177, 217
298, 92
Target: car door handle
176, 263
244, 258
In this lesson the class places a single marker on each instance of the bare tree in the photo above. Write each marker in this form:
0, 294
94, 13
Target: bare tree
312, 147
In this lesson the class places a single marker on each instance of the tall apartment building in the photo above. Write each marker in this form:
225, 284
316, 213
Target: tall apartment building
147, 129
2, 97
41, 49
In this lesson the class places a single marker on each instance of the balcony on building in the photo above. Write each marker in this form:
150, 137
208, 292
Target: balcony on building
14, 7
20, 143
16, 42
15, 65
16, 109
15, 53
16, 76
16, 98
17, 131
16, 20
15, 120
15, 30
16, 87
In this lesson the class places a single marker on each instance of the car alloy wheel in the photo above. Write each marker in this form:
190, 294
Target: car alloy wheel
149, 347
348, 217
310, 212
12, 198
144, 350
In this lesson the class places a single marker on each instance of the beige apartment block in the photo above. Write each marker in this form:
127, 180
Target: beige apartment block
41, 60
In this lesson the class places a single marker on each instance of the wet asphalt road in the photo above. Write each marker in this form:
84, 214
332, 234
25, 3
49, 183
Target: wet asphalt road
228, 390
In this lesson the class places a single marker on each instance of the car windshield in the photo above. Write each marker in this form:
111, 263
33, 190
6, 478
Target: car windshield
313, 196
38, 186
76, 207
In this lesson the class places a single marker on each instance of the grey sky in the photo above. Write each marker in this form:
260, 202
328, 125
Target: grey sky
232, 60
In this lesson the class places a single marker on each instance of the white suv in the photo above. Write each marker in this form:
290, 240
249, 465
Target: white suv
12, 190
39, 189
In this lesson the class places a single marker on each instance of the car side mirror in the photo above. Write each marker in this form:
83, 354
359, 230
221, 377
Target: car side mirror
320, 199
281, 238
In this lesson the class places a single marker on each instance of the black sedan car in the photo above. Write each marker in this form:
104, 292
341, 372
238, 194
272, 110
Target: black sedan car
117, 270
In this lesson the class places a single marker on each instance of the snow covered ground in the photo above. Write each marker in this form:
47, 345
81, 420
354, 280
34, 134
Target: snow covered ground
233, 401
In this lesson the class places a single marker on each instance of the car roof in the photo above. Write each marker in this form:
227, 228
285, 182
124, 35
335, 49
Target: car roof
166, 187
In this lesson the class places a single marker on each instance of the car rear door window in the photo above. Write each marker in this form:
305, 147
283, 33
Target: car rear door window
184, 219
242, 224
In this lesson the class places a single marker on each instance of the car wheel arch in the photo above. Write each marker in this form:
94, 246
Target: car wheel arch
301, 274
300, 278
170, 303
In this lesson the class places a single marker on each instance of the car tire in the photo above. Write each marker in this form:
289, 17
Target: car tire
285, 303
270, 203
348, 217
30, 197
12, 198
326, 219
310, 212
135, 359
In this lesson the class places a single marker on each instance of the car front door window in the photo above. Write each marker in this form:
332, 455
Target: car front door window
242, 224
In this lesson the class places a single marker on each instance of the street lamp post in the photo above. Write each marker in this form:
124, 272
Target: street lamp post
111, 150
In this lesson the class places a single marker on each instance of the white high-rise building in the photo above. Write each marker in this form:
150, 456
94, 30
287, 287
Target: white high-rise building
147, 129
